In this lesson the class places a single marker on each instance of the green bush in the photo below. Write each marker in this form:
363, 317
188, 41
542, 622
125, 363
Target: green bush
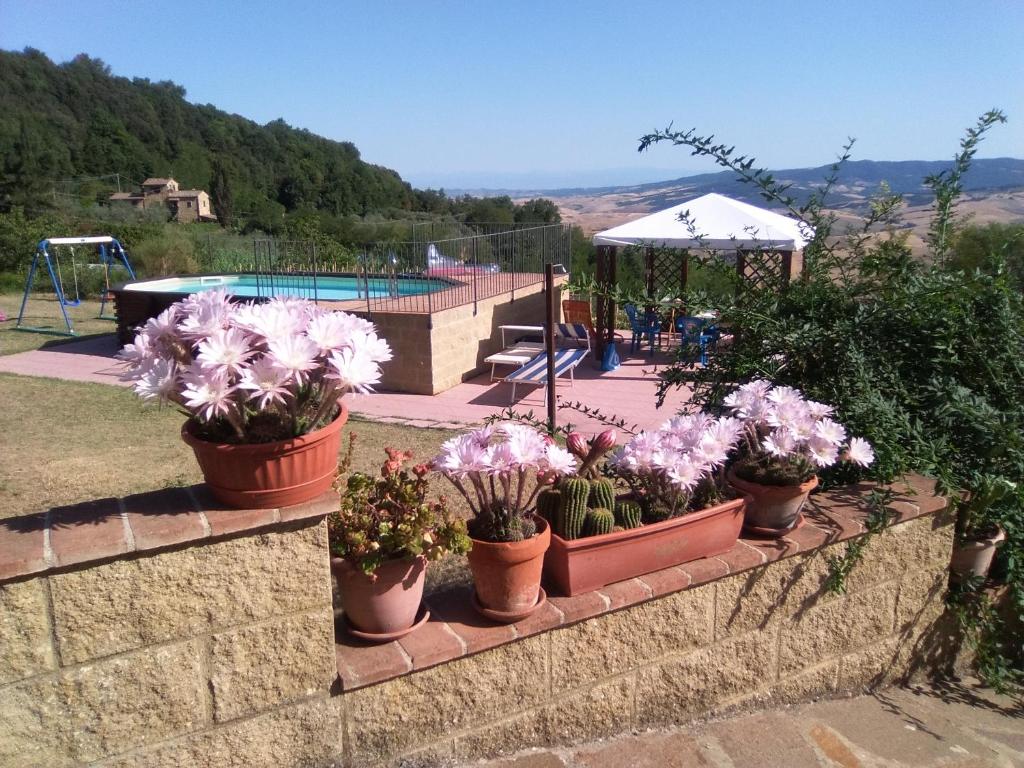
921, 356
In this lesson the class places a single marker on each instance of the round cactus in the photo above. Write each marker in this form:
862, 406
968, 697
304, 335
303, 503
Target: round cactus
547, 504
599, 521
628, 514
572, 507
602, 494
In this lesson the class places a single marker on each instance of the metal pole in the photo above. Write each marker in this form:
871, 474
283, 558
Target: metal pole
549, 342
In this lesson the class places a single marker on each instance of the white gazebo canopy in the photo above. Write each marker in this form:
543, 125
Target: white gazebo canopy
719, 222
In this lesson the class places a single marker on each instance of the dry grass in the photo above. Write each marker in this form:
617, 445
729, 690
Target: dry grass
64, 442
44, 311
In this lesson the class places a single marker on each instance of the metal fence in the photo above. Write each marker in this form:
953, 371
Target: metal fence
440, 268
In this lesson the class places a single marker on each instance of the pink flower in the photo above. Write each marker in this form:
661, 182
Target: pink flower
266, 382
295, 354
159, 382
354, 370
831, 431
605, 441
577, 444
207, 392
860, 452
224, 350
559, 460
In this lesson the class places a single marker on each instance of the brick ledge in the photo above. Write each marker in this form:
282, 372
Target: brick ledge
455, 630
111, 528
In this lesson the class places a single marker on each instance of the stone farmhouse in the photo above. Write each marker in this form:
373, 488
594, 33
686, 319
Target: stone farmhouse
186, 205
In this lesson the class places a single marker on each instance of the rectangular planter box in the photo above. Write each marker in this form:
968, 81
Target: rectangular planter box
583, 565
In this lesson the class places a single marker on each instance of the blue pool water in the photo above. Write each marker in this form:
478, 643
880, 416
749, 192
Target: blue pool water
327, 288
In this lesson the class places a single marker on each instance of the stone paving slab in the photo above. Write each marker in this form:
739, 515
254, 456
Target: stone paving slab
955, 724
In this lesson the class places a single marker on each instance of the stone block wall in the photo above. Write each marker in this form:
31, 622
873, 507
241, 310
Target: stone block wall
434, 352
154, 635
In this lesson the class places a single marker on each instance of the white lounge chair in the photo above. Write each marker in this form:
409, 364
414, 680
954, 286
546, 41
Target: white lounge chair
535, 371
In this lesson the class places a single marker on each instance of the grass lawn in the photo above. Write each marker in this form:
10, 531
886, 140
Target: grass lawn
43, 310
64, 442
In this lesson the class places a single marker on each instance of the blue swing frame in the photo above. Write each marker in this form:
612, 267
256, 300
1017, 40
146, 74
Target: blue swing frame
111, 253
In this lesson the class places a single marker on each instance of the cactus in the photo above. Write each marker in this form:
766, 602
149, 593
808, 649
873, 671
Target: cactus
599, 521
602, 494
547, 504
627, 514
572, 507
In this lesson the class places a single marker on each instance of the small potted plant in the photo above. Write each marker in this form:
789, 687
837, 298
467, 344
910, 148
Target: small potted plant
261, 385
676, 507
977, 536
381, 537
787, 439
499, 470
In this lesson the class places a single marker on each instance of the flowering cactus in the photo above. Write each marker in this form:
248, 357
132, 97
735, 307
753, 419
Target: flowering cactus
788, 438
249, 373
494, 467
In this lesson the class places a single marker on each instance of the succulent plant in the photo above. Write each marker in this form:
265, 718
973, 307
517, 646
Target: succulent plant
599, 521
572, 508
628, 514
602, 494
547, 504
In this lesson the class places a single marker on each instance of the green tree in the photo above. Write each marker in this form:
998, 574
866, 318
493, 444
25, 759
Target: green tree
221, 195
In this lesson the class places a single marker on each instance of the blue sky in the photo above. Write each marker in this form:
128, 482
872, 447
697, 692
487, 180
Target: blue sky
557, 93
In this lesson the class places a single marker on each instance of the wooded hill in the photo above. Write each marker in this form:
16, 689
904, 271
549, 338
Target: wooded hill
75, 120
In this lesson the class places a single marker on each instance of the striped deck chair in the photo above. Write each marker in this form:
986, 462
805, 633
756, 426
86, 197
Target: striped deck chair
535, 372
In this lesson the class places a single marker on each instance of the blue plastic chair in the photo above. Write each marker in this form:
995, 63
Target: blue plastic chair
696, 331
650, 327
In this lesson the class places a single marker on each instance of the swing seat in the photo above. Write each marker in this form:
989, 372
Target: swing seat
71, 302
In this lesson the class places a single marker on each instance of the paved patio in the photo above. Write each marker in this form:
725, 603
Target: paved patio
628, 392
954, 724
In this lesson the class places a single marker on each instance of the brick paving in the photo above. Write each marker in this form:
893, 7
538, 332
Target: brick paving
955, 724
628, 392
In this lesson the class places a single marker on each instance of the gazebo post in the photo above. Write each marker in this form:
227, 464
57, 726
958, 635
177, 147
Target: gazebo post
602, 256
649, 262
611, 279
684, 278
787, 267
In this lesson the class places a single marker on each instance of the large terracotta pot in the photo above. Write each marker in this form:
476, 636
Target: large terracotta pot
973, 559
581, 565
386, 603
506, 575
267, 475
772, 509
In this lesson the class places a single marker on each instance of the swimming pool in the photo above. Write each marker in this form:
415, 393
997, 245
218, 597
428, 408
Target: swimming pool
321, 287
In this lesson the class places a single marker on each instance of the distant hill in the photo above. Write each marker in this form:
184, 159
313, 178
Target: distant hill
1001, 179
76, 120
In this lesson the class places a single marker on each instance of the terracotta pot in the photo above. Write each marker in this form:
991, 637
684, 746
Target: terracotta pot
581, 565
772, 508
972, 559
506, 575
386, 602
267, 475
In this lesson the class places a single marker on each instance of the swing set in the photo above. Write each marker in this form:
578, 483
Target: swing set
111, 254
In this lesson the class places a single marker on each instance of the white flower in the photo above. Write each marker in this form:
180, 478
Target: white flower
371, 345
331, 330
224, 350
779, 443
294, 353
205, 313
860, 452
138, 355
460, 456
831, 431
823, 453
354, 370
526, 447
265, 381
159, 381
559, 460
207, 392
819, 410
